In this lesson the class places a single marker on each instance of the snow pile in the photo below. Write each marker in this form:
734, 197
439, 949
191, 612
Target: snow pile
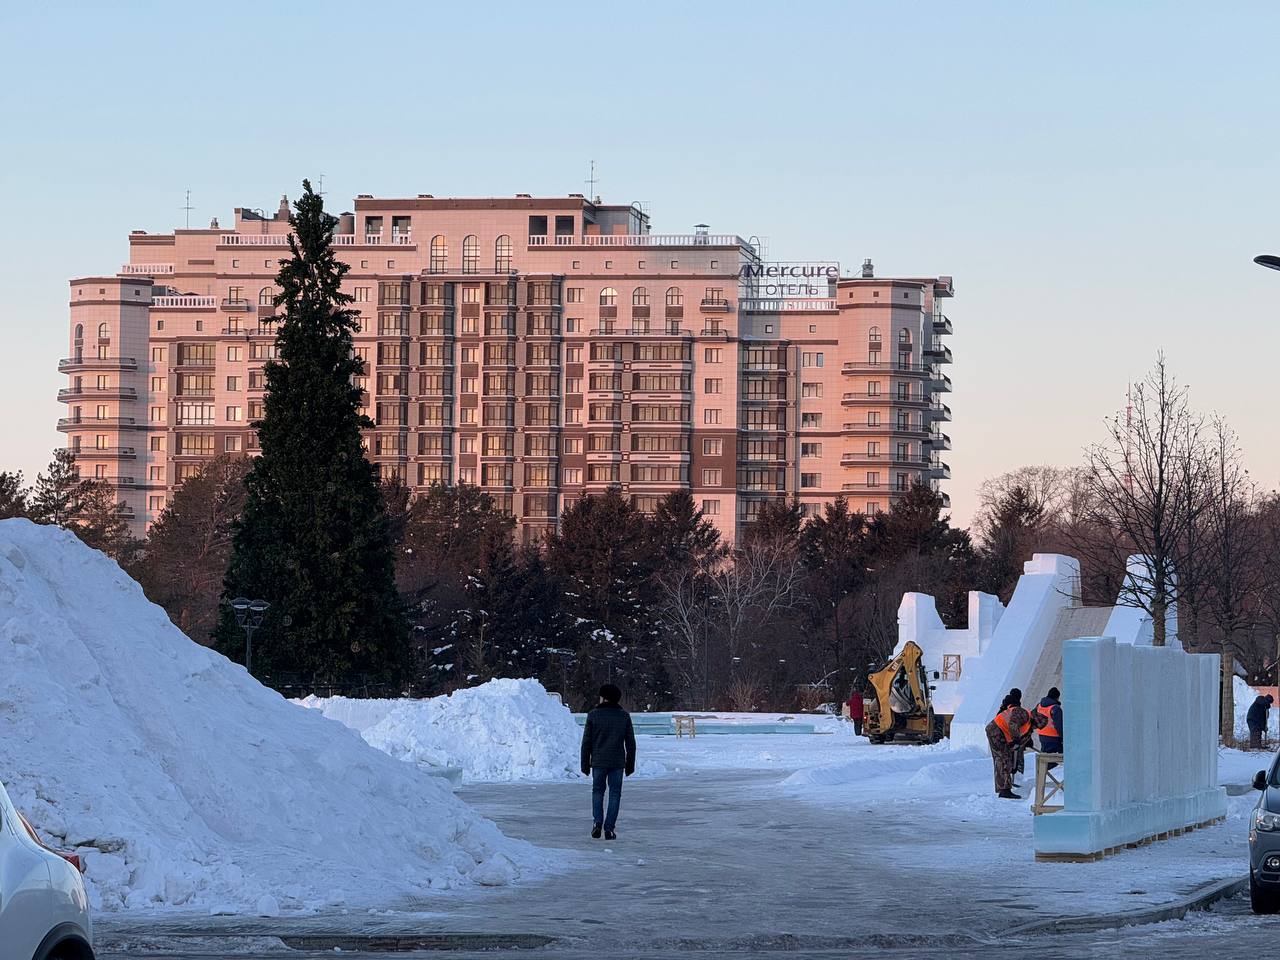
501, 730
182, 781
1244, 695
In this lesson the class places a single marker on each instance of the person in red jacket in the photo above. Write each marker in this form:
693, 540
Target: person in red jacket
857, 711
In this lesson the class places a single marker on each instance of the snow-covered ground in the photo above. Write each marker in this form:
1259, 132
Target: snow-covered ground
500, 730
183, 782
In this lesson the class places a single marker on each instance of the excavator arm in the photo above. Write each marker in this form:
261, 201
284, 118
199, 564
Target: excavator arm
903, 709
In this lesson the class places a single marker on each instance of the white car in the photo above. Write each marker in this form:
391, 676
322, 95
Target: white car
44, 913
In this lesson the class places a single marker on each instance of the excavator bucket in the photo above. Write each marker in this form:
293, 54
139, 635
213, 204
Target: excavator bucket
902, 709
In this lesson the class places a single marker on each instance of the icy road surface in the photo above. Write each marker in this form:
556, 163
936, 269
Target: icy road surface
864, 850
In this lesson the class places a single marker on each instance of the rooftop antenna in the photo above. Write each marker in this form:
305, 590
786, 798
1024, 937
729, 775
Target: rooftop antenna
321, 182
188, 208
591, 183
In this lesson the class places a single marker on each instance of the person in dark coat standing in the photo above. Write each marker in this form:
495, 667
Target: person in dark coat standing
1257, 720
608, 752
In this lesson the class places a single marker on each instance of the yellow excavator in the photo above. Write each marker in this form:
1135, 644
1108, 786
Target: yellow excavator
902, 709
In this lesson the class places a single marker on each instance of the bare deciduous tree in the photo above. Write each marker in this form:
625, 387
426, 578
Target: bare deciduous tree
1137, 488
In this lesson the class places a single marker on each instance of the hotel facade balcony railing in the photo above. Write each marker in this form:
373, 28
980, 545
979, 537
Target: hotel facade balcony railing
640, 240
794, 305
716, 304
892, 428
106, 453
71, 364
90, 423
885, 367
69, 394
890, 459
146, 269
887, 399
184, 302
942, 325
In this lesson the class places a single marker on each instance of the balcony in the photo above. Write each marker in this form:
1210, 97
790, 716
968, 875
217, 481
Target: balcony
859, 458
877, 489
715, 305
73, 364
641, 332
904, 430
938, 353
942, 325
257, 330
106, 453
236, 303
940, 382
793, 305
885, 399
939, 410
642, 240
939, 440
940, 471
68, 394
256, 240
91, 423
185, 302
146, 269
868, 366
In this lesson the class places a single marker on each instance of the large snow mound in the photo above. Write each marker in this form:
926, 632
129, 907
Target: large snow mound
500, 730
182, 781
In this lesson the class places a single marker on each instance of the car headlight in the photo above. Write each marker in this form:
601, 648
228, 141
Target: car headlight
1266, 821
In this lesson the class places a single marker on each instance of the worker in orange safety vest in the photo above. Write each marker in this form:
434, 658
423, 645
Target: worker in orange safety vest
1008, 732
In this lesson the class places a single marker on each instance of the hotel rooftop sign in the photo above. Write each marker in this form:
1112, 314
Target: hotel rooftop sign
789, 278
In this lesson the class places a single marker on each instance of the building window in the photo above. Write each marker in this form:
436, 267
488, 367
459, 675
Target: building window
811, 390
234, 414
572, 475
712, 354
470, 254
873, 507
810, 419
711, 416
439, 254
712, 385
155, 504
811, 359
675, 296
904, 336
711, 478
266, 297
810, 480
640, 297
502, 254
157, 444
873, 478
712, 447
104, 332
873, 335
711, 508
813, 328
608, 297
810, 449
231, 444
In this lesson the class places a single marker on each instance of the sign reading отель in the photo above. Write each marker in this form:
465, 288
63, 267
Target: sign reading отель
790, 279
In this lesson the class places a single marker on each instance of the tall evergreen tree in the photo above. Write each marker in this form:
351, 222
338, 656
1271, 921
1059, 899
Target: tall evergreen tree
54, 498
13, 495
314, 539
682, 535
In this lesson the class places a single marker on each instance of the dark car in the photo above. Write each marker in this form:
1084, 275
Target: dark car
1264, 842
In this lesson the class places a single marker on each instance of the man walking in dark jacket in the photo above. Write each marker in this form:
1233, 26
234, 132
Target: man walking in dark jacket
608, 751
1257, 720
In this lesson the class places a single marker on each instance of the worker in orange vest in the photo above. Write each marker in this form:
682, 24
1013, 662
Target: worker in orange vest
1008, 732
1050, 711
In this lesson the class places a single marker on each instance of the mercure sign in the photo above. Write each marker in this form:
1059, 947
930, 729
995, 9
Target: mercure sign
790, 279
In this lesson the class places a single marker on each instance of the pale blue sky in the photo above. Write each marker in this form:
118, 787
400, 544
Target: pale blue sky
1096, 176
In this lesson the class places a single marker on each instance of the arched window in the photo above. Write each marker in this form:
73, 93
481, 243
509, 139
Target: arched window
78, 349
470, 254
266, 297
502, 254
904, 336
675, 297
640, 297
79, 331
608, 297
104, 332
439, 254
873, 335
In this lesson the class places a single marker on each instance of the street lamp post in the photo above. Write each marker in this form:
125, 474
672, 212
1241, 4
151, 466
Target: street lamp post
249, 614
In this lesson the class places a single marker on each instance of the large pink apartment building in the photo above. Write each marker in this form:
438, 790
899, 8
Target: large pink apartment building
541, 349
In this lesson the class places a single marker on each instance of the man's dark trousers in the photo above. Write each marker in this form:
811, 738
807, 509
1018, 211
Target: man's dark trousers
600, 778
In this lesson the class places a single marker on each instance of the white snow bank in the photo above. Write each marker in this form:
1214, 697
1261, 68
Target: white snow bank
500, 730
182, 781
1244, 695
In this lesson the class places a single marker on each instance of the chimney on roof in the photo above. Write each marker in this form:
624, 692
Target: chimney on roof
282, 213
868, 271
